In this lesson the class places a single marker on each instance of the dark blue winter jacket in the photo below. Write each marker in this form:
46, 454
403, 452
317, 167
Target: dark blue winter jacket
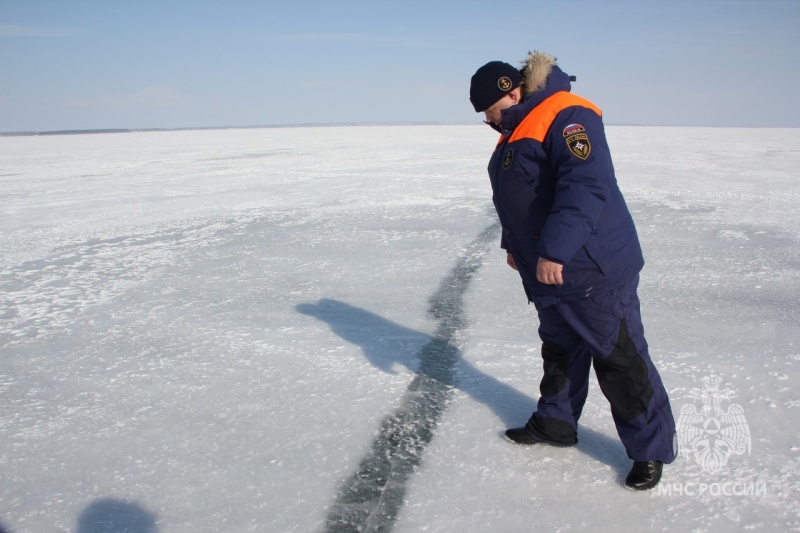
557, 197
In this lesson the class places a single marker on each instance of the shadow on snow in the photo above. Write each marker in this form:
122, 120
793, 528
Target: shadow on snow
372, 497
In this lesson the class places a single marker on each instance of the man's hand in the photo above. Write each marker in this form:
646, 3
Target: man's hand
511, 262
549, 272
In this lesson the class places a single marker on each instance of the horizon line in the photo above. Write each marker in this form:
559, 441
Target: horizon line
90, 131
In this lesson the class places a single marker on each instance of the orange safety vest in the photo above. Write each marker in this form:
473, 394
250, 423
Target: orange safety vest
537, 123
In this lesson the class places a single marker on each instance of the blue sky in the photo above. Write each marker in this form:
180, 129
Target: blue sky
84, 64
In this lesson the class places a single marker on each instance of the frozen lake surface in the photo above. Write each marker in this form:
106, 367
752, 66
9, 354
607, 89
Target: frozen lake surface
311, 329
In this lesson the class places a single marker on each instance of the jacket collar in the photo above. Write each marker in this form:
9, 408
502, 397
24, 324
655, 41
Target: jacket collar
542, 78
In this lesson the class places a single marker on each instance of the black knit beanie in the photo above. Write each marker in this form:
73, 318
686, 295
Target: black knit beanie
491, 82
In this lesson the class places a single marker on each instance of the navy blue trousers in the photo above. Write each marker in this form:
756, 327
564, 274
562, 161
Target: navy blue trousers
604, 330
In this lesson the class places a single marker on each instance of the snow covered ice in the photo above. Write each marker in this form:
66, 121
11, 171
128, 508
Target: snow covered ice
231, 330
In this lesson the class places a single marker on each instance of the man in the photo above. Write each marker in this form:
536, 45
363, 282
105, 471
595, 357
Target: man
569, 234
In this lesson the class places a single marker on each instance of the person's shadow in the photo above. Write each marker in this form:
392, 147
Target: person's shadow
386, 344
112, 516
116, 516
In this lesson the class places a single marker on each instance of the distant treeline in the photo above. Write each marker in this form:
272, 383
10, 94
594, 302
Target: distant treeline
120, 130
310, 125
61, 132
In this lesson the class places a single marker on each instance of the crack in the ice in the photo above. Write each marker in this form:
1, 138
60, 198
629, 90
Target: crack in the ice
371, 499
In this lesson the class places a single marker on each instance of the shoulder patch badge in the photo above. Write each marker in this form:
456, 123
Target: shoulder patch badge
573, 129
508, 158
577, 140
579, 145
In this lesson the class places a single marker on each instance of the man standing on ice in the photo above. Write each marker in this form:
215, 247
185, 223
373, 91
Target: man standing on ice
569, 234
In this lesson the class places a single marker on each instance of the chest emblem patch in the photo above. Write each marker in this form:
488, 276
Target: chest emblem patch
509, 157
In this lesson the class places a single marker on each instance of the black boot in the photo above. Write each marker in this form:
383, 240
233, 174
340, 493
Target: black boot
521, 436
644, 475
525, 435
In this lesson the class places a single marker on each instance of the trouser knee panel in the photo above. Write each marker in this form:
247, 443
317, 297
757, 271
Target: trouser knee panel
555, 360
623, 377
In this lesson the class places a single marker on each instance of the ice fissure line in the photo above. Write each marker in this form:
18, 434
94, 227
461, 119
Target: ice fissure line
370, 500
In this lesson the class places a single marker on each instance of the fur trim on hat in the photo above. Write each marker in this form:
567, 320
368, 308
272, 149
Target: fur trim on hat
535, 71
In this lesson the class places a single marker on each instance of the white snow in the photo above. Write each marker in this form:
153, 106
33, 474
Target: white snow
207, 330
